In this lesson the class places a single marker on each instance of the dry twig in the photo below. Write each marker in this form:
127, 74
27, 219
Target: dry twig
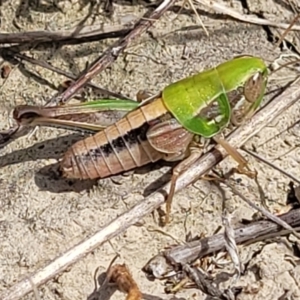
112, 53
202, 283
218, 7
260, 158
65, 37
21, 57
163, 263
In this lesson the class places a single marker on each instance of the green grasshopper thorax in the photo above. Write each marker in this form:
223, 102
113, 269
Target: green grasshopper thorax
206, 103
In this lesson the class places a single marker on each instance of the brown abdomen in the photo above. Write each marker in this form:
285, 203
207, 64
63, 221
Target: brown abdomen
120, 147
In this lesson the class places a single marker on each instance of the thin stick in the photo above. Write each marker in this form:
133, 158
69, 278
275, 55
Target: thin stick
21, 57
136, 213
197, 15
65, 37
112, 53
262, 210
258, 157
245, 234
286, 32
242, 17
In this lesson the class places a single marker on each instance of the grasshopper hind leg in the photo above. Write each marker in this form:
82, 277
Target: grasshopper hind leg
195, 153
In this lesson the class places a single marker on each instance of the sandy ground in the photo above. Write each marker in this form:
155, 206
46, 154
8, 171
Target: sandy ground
42, 215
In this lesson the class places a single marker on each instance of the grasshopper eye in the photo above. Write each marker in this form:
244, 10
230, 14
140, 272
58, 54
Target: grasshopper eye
254, 87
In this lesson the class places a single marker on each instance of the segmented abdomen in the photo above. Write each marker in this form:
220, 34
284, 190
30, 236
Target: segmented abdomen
120, 147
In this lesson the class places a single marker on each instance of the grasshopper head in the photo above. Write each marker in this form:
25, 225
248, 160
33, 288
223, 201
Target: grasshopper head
247, 98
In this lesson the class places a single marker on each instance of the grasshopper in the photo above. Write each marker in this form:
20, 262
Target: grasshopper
165, 127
